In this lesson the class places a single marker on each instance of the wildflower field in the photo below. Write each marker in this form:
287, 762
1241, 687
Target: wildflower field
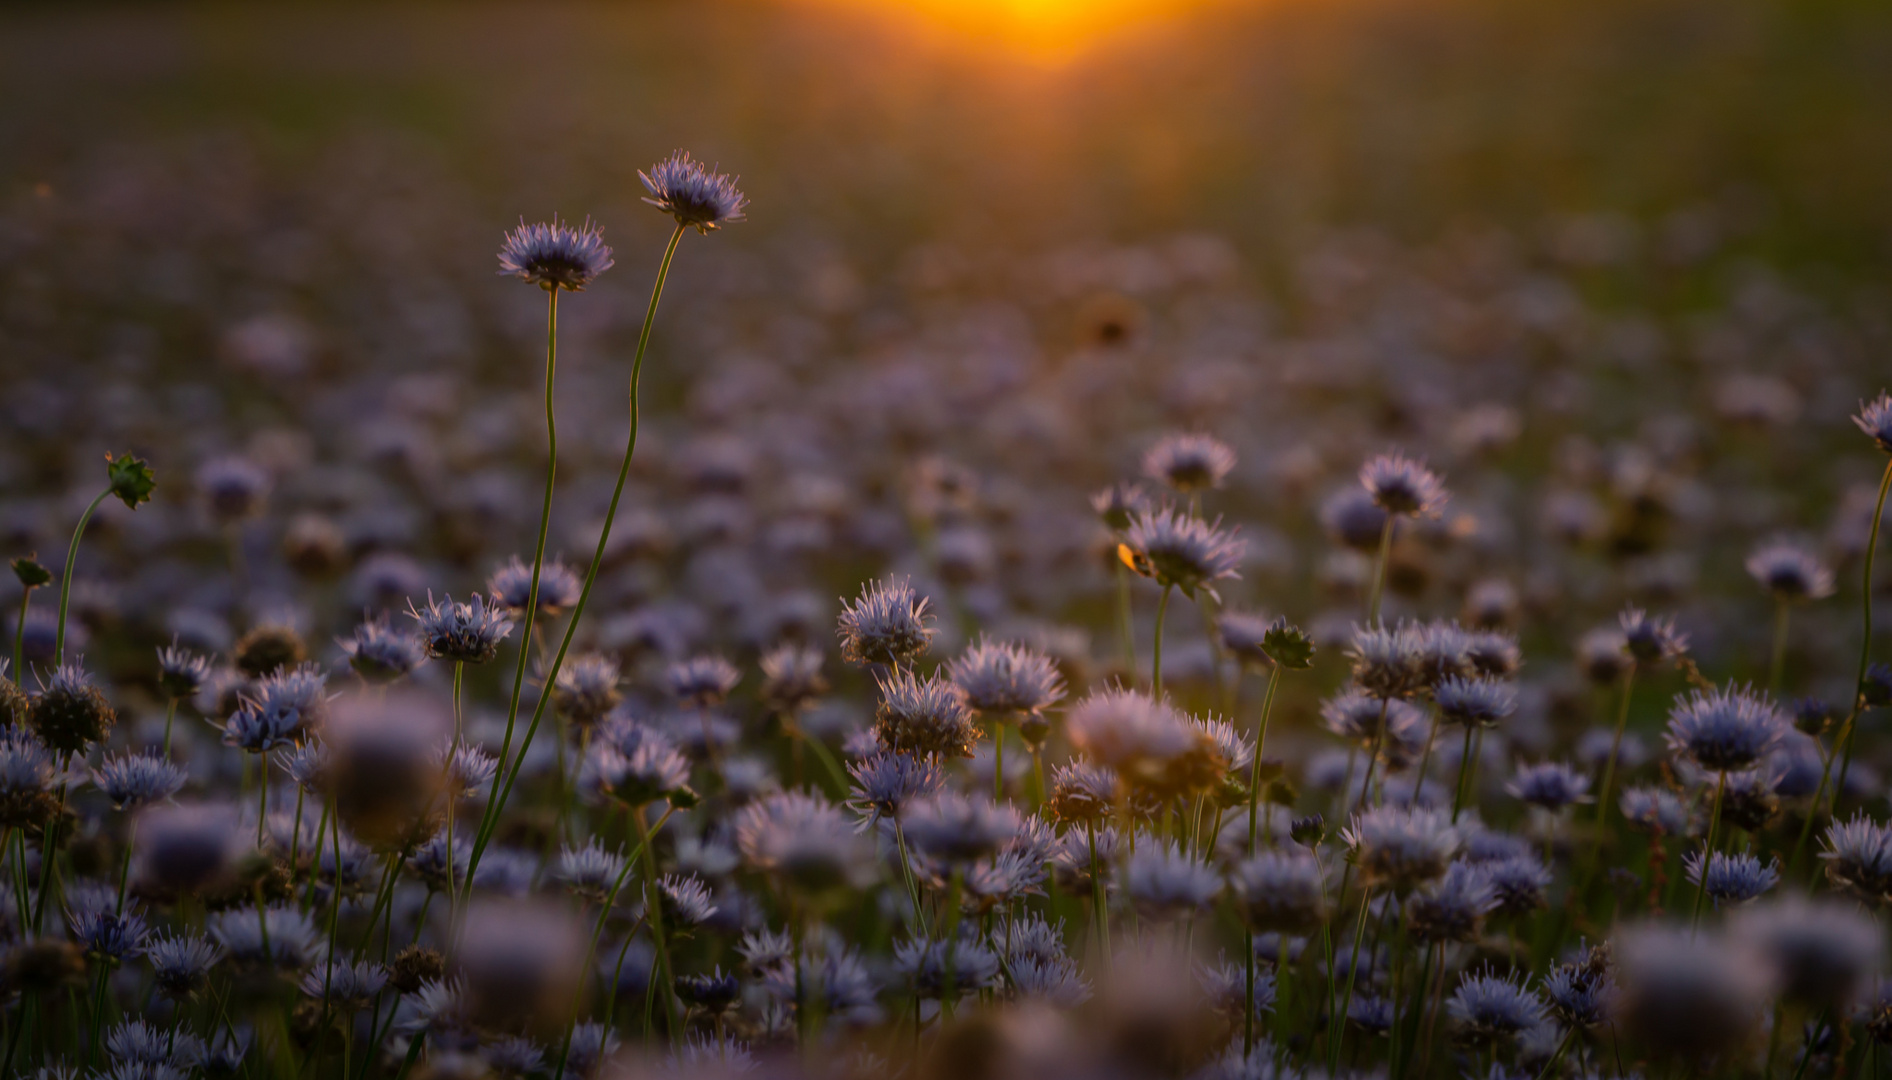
830, 539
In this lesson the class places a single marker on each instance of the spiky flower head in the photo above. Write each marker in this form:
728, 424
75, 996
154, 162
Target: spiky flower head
590, 872
232, 488
587, 689
1552, 785
637, 768
1166, 882
1453, 908
696, 195
1179, 549
134, 780
275, 937
1401, 846
101, 926
1518, 882
1282, 892
344, 987
1859, 859
1387, 661
69, 713
181, 673
1188, 462
924, 716
1403, 486
792, 677
1259, 642
461, 632
702, 681
887, 782
1725, 730
1650, 640
1790, 571
1475, 702
180, 964
1603, 655
1367, 721
888, 624
1082, 793
686, 900
803, 841
1875, 419
510, 588
958, 829
1654, 809
1730, 878
283, 708
1117, 504
1489, 1009
553, 255
29, 773
1001, 680
1580, 991
1493, 654
380, 653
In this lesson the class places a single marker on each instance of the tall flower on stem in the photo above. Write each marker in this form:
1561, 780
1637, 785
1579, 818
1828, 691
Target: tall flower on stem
31, 576
1875, 420
1793, 575
1178, 551
130, 480
1402, 487
697, 197
1723, 731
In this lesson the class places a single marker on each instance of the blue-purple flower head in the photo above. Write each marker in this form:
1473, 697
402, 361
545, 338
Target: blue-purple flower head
1006, 680
1362, 719
1182, 550
181, 672
379, 653
696, 195
1725, 730
955, 828
1475, 702
1875, 419
552, 255
1351, 518
888, 624
1858, 859
1280, 892
1552, 785
510, 587
1118, 503
1401, 847
886, 782
134, 780
803, 841
1730, 878
702, 681
926, 716
1453, 908
1402, 486
467, 633
1188, 462
1388, 661
1650, 640
1790, 571
1581, 991
283, 708
101, 925
1489, 1009
1166, 882
1656, 810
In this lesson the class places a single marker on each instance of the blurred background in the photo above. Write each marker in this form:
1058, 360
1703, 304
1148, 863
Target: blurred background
1618, 266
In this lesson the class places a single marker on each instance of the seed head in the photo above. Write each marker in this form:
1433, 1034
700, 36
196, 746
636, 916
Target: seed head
69, 713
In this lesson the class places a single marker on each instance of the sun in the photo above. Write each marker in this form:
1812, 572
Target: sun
1043, 29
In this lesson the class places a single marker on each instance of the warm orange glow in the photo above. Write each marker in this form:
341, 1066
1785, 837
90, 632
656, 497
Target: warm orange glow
1050, 30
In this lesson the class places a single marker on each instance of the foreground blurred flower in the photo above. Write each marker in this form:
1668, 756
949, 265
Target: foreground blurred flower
1687, 997
554, 256
384, 772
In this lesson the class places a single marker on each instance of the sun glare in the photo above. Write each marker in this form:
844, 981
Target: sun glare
1049, 30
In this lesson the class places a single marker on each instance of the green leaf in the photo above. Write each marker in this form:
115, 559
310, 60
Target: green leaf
31, 573
1288, 645
131, 479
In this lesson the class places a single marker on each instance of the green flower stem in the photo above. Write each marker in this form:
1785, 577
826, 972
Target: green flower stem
1379, 573
653, 911
1156, 661
19, 638
497, 804
1261, 740
1843, 746
1708, 849
72, 555
1777, 662
538, 552
1338, 1024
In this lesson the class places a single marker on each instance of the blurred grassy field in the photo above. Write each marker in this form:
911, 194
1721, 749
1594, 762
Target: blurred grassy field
1265, 123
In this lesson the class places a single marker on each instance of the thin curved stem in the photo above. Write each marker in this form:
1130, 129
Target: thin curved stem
497, 805
1261, 739
1156, 661
1843, 746
72, 555
1379, 572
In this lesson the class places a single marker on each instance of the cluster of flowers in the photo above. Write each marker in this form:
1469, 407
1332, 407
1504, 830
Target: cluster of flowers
1366, 847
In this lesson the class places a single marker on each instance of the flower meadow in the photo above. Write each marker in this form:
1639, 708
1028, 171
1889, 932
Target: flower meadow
1075, 665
